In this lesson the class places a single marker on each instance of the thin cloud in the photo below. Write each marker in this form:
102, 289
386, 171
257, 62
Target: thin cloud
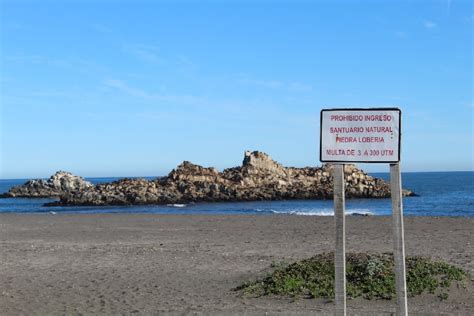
185, 65
150, 96
449, 2
5, 79
272, 84
429, 24
147, 53
235, 108
122, 86
401, 34
17, 26
277, 84
298, 86
469, 104
71, 64
101, 28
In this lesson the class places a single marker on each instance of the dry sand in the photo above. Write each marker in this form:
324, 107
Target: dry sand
186, 264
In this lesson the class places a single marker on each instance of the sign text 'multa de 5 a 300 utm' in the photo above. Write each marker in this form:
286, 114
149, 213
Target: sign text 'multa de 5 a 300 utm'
358, 152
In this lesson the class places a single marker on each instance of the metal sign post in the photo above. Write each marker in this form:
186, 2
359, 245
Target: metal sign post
340, 253
372, 136
398, 238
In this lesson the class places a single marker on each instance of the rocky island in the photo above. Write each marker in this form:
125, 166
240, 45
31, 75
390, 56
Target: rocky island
259, 178
58, 184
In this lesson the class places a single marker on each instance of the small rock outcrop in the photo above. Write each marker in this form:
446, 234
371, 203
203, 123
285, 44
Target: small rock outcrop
60, 183
259, 178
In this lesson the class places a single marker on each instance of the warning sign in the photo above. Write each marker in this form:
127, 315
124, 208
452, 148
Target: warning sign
360, 135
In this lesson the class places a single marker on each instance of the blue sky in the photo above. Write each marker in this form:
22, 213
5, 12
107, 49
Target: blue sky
132, 88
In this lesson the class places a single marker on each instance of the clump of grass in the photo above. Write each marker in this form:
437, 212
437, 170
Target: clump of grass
367, 275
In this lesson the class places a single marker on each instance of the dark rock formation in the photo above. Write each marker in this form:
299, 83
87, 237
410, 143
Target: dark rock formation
259, 178
58, 184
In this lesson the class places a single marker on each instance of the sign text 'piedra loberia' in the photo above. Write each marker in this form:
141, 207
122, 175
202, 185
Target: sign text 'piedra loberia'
360, 135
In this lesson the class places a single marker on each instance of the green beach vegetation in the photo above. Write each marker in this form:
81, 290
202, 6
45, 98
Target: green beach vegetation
367, 275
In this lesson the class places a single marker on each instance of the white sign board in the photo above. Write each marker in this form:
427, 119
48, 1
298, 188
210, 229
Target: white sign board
360, 135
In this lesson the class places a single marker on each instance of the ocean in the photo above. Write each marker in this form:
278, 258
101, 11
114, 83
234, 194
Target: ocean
440, 194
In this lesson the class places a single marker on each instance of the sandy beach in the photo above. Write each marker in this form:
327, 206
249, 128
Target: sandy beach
189, 264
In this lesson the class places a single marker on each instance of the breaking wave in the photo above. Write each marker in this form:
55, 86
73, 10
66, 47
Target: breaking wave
176, 205
323, 212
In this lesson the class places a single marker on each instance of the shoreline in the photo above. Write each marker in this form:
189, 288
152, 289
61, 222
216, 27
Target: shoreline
150, 263
180, 212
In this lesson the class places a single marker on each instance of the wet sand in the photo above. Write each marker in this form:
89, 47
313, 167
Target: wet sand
188, 264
